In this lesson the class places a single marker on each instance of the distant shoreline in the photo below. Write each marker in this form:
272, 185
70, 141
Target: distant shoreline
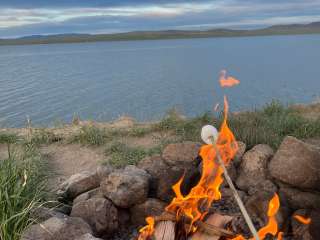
293, 29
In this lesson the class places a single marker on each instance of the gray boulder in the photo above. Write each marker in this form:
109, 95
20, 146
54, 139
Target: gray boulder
77, 184
299, 199
42, 214
297, 163
264, 186
126, 187
94, 193
241, 150
88, 236
181, 154
68, 228
258, 205
99, 213
151, 207
253, 168
164, 176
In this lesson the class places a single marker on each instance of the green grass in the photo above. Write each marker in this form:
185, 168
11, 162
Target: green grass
271, 124
121, 154
43, 136
22, 185
9, 139
268, 125
90, 135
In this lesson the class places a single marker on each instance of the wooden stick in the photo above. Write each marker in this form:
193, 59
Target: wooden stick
235, 194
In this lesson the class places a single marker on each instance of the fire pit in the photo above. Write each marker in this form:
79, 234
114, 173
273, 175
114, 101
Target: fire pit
191, 217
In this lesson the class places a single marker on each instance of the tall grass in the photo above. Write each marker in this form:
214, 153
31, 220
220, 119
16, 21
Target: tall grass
22, 184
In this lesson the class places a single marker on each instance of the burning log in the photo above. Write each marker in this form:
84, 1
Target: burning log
165, 230
207, 232
166, 227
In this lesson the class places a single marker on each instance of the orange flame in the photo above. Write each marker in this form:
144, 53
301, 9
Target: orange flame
302, 219
272, 226
147, 231
227, 81
196, 204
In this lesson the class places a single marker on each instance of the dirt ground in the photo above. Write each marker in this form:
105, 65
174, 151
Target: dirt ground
66, 160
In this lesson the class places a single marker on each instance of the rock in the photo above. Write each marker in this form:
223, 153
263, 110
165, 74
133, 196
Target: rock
68, 228
87, 195
181, 154
99, 213
253, 168
227, 204
297, 163
257, 207
265, 186
38, 232
103, 171
300, 231
123, 217
156, 167
126, 187
42, 214
151, 207
63, 208
314, 228
163, 177
77, 184
241, 150
300, 200
72, 229
88, 236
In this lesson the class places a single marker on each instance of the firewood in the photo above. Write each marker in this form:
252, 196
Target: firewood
206, 232
164, 230
211, 227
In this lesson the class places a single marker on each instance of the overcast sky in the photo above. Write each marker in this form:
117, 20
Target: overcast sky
31, 17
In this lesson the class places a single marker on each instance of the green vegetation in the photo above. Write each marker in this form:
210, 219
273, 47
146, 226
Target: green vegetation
121, 154
22, 184
268, 125
271, 124
43, 136
293, 29
90, 135
8, 139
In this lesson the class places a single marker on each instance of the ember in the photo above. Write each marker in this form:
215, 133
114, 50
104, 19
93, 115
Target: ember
302, 219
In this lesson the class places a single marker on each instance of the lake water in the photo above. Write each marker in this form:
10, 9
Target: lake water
104, 80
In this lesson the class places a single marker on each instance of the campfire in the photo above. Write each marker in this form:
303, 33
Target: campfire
188, 216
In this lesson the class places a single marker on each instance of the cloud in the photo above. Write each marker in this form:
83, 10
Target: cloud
20, 17
41, 15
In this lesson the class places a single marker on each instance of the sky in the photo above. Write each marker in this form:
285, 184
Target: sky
42, 17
